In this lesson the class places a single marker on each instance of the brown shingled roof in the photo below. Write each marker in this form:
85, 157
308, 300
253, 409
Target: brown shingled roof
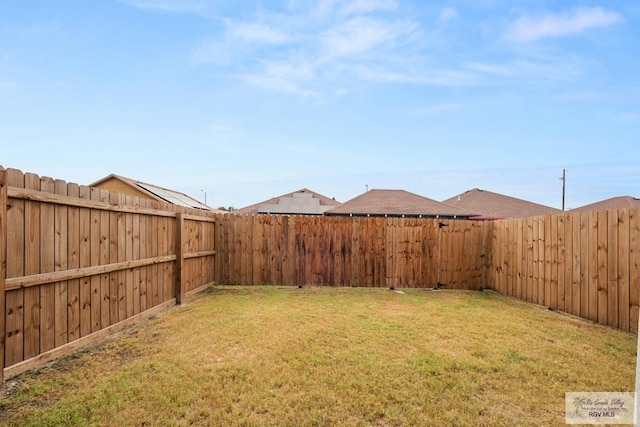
286, 201
496, 206
397, 203
612, 203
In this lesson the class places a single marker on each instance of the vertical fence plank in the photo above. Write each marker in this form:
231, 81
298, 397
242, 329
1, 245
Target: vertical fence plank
104, 257
594, 248
561, 262
547, 260
47, 265
14, 299
143, 247
535, 279
612, 269
113, 258
180, 248
61, 240
575, 267
553, 255
121, 243
85, 261
585, 275
95, 247
135, 255
568, 263
155, 268
512, 257
634, 268
128, 254
170, 270
3, 265
520, 258
32, 266
623, 269
602, 271
73, 262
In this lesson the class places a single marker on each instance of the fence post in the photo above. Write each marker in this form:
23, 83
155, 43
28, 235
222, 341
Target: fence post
3, 264
179, 257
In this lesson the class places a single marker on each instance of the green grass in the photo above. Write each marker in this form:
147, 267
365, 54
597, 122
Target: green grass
330, 357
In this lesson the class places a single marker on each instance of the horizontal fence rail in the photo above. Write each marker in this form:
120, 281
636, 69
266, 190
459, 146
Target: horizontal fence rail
79, 261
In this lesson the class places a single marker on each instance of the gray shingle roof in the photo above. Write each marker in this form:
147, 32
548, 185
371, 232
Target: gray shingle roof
612, 203
378, 202
491, 205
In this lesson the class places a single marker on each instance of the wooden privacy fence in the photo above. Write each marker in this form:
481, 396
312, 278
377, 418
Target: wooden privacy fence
78, 263
582, 263
351, 251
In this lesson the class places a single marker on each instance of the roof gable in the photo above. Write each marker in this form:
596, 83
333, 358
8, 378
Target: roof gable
619, 202
496, 206
121, 184
303, 201
377, 202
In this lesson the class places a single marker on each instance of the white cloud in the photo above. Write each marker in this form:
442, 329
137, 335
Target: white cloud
562, 69
359, 7
178, 6
358, 36
257, 32
284, 77
447, 14
436, 77
527, 29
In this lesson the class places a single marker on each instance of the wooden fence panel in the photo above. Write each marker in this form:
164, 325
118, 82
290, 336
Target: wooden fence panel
80, 260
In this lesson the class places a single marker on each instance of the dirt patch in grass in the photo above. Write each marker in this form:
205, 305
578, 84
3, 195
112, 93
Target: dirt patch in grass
238, 355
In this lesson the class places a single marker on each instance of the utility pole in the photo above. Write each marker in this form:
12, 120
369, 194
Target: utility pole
564, 185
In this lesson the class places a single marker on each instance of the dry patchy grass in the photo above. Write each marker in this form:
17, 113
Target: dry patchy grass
331, 356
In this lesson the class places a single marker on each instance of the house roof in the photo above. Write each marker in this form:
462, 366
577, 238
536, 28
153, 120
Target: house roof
303, 201
119, 183
612, 203
378, 202
491, 205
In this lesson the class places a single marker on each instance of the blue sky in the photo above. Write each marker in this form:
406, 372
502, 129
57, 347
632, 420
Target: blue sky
248, 100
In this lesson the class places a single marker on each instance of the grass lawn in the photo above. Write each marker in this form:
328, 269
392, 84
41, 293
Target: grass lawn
331, 357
